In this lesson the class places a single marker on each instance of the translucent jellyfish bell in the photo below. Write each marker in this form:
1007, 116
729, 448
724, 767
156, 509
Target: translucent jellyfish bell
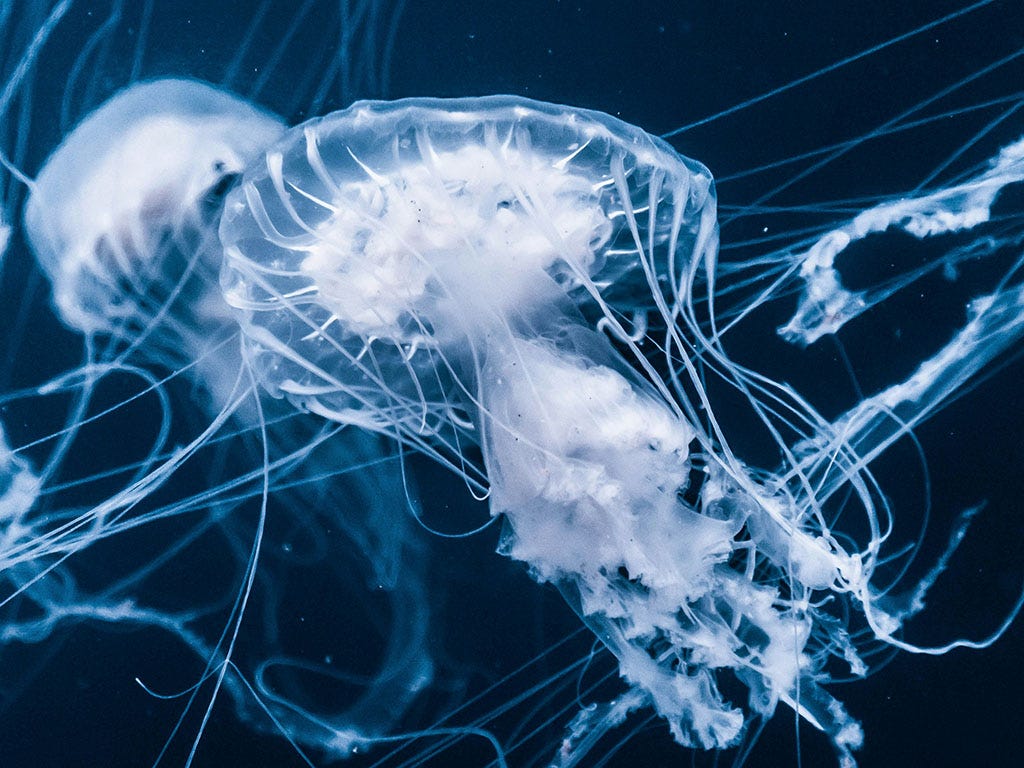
377, 248
120, 219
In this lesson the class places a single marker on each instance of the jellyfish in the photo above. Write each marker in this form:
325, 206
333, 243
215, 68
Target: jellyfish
831, 460
434, 286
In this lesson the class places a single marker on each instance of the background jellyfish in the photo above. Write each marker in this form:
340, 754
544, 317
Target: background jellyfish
676, 75
121, 219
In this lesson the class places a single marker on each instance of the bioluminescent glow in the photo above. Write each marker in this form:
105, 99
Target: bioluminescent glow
297, 383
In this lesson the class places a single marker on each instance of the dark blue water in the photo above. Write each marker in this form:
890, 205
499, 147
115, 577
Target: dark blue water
73, 700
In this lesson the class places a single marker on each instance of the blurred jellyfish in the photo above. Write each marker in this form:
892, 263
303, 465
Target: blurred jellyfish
122, 220
119, 218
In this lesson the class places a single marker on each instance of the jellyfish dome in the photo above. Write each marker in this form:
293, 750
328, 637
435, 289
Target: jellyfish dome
132, 176
443, 272
378, 250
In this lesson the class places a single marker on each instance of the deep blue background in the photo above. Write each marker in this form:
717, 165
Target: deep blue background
659, 65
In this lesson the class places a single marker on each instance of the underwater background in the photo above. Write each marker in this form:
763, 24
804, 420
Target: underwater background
662, 65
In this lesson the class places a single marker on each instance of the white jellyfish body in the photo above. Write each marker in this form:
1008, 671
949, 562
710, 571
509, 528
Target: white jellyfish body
436, 270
